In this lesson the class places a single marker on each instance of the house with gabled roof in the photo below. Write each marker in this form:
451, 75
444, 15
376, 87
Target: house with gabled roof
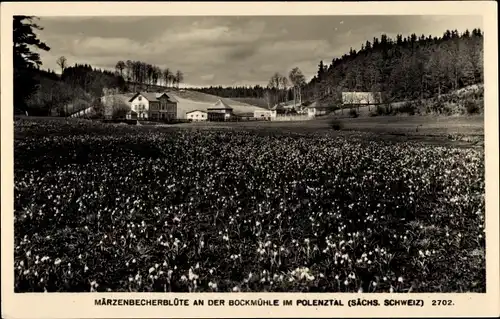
155, 106
220, 111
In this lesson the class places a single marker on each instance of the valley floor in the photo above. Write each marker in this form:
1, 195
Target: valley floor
290, 207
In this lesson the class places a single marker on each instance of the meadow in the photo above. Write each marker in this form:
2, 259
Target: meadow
101, 207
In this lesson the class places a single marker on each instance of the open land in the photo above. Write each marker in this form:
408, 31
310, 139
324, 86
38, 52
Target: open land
380, 204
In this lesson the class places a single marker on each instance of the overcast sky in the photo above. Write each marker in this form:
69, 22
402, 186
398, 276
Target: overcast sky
227, 50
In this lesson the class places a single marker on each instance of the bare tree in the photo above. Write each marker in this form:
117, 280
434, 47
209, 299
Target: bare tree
179, 78
167, 76
62, 62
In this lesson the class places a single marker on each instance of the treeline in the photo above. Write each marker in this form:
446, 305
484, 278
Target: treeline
138, 72
256, 91
405, 68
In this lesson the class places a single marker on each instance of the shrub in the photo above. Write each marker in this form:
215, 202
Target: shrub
380, 110
472, 107
335, 125
353, 113
408, 107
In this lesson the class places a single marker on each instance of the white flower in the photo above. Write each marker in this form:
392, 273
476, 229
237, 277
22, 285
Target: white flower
151, 269
236, 288
57, 261
400, 279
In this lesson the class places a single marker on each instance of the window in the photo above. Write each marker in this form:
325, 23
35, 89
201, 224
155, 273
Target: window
140, 98
196, 115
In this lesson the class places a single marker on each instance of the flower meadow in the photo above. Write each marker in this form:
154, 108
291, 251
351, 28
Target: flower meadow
103, 207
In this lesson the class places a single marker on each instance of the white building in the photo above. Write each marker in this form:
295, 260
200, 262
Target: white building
361, 98
314, 110
197, 115
264, 114
154, 105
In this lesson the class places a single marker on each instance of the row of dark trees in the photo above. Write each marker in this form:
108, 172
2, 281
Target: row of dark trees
404, 68
256, 91
138, 72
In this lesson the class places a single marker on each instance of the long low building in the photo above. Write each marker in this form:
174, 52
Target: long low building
264, 114
197, 116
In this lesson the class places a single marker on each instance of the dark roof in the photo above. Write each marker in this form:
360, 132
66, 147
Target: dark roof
220, 105
152, 97
196, 111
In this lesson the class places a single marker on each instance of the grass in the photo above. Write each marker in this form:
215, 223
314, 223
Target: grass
268, 207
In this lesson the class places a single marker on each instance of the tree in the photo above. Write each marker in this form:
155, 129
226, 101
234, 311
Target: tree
62, 62
167, 76
120, 66
25, 61
179, 78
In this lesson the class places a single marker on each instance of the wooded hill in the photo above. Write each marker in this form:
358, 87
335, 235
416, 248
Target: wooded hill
405, 68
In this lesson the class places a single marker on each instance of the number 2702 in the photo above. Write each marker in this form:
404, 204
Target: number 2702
442, 303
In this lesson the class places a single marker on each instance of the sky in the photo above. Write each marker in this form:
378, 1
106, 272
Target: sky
227, 50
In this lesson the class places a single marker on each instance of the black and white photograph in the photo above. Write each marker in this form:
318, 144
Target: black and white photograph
215, 153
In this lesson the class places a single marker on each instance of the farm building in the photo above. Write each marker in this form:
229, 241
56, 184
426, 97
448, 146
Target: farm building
245, 116
156, 106
197, 115
314, 110
361, 98
264, 114
219, 112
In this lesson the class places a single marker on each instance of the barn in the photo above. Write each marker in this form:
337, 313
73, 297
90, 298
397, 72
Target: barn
220, 112
361, 98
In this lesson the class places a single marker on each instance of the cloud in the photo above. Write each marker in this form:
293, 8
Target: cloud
226, 50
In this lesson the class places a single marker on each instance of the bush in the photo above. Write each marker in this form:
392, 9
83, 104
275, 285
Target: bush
472, 107
408, 107
353, 113
335, 125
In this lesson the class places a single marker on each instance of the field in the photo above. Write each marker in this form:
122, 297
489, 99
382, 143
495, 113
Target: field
255, 207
